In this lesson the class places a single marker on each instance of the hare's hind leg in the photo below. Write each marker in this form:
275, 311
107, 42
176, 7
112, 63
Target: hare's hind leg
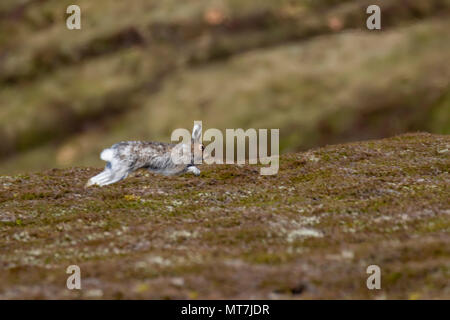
103, 176
111, 174
116, 176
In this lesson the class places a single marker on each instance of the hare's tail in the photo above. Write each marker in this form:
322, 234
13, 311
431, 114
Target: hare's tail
107, 155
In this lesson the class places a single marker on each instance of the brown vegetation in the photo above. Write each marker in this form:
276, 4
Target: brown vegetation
308, 232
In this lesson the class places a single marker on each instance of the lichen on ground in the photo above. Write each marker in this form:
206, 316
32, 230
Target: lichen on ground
308, 232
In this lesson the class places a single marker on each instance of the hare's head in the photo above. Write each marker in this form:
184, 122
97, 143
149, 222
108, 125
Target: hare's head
196, 145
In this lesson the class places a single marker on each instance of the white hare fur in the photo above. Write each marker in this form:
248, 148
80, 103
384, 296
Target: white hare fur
128, 156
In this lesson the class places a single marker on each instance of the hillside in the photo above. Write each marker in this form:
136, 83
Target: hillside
139, 69
308, 232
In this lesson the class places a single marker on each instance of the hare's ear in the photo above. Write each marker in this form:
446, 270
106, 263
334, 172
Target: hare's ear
197, 131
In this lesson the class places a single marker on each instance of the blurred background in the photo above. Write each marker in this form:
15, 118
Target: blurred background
140, 68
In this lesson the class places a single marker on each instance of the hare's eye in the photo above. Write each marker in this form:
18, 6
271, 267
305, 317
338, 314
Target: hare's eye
202, 147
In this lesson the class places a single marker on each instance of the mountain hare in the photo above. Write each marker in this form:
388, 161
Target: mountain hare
165, 158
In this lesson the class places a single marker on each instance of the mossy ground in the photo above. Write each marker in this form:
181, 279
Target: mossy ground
308, 232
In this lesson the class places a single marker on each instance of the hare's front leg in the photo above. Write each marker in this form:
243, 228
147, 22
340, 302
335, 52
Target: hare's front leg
194, 170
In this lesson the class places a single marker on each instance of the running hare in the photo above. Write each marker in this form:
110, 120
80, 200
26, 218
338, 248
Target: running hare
165, 158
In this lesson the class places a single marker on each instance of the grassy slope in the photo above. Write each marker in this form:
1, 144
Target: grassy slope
310, 64
308, 232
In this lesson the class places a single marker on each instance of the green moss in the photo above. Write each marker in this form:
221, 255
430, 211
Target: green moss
267, 258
